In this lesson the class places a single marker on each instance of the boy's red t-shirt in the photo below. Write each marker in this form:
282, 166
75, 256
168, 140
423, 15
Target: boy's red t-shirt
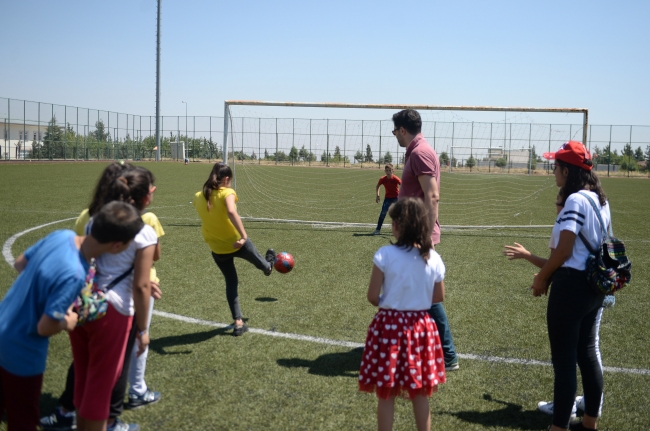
391, 184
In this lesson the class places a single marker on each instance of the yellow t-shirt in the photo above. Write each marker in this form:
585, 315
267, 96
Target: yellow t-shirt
217, 229
147, 218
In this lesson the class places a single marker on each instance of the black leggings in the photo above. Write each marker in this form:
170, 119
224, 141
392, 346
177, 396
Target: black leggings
226, 263
571, 318
117, 396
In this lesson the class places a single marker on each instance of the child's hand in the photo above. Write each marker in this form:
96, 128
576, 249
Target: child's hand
516, 251
239, 244
70, 319
142, 341
540, 287
377, 199
156, 293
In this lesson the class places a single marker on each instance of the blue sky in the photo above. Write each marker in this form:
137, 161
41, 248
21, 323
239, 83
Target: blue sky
94, 54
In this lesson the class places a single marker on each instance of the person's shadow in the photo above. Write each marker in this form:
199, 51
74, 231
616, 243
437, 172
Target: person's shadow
159, 345
511, 416
330, 364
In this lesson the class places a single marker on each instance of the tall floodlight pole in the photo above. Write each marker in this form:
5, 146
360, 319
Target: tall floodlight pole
158, 85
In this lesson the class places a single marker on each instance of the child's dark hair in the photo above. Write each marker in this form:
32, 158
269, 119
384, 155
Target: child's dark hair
131, 187
116, 221
413, 225
110, 174
214, 182
389, 165
580, 179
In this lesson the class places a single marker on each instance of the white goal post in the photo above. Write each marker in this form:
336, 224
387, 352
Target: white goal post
396, 107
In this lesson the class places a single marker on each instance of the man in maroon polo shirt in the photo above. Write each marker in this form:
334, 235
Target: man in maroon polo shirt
421, 178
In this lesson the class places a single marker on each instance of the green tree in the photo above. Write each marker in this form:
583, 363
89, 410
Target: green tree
638, 155
100, 134
293, 154
444, 159
311, 157
502, 162
52, 140
280, 156
303, 153
266, 154
470, 163
325, 156
647, 158
358, 157
368, 157
388, 157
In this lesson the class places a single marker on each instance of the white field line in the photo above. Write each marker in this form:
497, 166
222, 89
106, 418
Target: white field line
6, 247
6, 252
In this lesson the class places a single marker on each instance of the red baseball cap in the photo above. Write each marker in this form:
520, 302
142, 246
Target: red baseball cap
573, 153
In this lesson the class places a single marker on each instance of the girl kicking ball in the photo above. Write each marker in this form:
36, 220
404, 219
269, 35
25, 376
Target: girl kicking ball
224, 232
402, 355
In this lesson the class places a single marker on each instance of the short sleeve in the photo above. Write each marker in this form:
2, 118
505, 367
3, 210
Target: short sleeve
63, 293
152, 220
438, 266
31, 250
145, 238
572, 217
380, 259
81, 222
425, 164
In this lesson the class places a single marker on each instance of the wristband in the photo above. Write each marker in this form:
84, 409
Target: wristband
141, 333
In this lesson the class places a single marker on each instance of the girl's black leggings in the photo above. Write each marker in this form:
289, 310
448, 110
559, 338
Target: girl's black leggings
226, 263
571, 318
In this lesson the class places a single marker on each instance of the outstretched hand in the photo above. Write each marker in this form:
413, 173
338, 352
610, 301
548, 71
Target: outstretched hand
516, 251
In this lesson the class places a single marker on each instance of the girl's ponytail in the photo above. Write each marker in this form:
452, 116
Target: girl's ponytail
214, 181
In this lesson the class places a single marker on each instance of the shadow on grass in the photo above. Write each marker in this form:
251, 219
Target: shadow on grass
329, 365
266, 299
159, 345
512, 416
370, 234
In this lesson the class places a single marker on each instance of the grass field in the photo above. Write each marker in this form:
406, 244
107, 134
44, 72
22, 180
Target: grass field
211, 380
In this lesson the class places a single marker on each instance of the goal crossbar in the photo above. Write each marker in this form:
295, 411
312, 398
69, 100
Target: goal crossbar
228, 103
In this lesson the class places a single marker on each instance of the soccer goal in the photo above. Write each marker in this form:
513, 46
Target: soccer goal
319, 163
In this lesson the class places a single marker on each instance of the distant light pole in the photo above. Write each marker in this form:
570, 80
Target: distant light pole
185, 128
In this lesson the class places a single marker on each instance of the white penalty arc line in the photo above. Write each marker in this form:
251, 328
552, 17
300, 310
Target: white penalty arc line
6, 247
6, 252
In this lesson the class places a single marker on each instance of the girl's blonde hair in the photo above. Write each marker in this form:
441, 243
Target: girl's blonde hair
413, 225
214, 181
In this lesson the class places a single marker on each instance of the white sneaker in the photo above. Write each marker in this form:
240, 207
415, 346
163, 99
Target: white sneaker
547, 407
580, 404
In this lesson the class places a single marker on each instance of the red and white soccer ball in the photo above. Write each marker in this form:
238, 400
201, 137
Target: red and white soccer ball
283, 262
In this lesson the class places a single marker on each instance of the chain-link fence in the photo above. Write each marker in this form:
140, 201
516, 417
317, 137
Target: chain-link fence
43, 131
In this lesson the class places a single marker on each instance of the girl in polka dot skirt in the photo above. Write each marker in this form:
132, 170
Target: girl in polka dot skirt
402, 355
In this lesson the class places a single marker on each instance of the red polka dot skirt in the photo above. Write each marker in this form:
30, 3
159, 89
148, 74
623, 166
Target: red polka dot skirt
402, 355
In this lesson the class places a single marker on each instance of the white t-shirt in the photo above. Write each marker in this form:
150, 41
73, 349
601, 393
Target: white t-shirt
578, 216
111, 266
408, 279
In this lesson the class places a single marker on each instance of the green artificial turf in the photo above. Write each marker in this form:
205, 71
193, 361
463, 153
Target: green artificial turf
211, 380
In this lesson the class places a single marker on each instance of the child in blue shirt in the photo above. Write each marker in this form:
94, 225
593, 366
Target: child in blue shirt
39, 304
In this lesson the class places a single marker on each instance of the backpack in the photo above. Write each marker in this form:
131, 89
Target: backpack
608, 267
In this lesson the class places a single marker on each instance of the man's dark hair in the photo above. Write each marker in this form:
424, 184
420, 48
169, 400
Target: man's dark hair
116, 221
409, 119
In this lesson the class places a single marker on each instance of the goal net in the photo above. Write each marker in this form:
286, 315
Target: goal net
319, 163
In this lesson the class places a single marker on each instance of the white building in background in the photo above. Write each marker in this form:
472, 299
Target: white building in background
16, 139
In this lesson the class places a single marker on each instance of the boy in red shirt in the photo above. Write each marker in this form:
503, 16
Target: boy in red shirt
391, 183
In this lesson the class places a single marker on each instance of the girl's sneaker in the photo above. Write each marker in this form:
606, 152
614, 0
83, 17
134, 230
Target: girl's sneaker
59, 421
136, 401
547, 407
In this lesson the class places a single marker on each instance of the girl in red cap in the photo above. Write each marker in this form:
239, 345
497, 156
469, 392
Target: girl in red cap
573, 305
